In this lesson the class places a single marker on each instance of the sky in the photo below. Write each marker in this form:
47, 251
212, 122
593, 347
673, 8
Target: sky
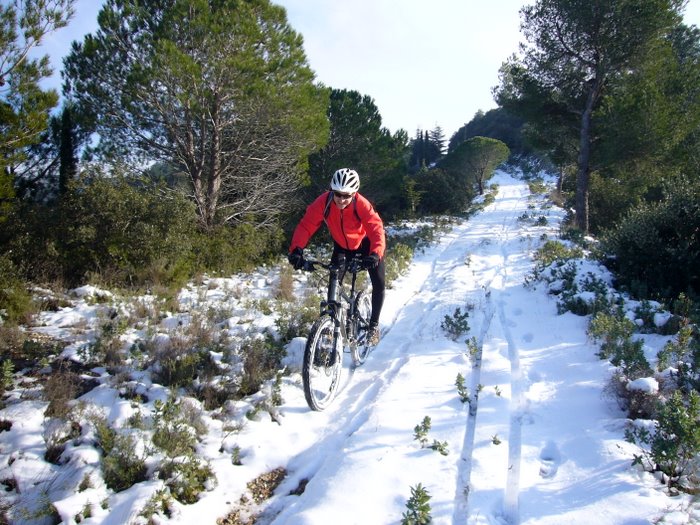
425, 64
539, 442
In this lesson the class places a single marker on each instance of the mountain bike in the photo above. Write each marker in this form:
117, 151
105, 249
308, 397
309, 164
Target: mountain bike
344, 321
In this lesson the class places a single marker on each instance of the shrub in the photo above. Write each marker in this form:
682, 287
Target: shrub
262, 359
179, 369
186, 478
456, 324
675, 441
233, 248
683, 354
103, 220
554, 251
462, 389
398, 257
570, 299
296, 319
417, 507
15, 301
172, 430
122, 467
61, 387
657, 244
158, 504
615, 331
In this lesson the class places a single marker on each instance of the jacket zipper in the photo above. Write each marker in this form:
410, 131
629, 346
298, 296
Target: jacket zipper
342, 229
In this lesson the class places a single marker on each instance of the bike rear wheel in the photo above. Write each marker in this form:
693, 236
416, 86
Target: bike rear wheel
363, 311
323, 362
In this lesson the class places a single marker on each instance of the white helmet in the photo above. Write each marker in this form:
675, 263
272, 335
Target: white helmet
345, 180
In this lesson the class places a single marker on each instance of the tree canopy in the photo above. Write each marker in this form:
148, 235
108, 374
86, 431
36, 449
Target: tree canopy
577, 48
24, 106
359, 141
218, 88
477, 160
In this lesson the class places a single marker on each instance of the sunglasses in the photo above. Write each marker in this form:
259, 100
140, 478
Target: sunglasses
343, 195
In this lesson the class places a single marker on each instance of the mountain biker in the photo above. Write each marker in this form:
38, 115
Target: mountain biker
355, 228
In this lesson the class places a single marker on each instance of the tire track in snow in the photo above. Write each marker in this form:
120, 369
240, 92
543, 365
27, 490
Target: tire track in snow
362, 387
512, 490
496, 282
465, 467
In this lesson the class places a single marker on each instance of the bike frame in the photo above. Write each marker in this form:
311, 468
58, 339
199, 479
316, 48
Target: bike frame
339, 325
333, 305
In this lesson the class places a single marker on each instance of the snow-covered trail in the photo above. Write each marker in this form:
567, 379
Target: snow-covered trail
516, 454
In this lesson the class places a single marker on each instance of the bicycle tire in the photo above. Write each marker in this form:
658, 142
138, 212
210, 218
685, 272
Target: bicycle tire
323, 362
363, 311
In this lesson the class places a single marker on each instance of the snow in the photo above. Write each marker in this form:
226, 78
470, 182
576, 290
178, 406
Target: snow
538, 443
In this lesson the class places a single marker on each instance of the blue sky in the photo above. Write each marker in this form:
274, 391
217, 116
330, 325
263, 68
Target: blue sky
425, 64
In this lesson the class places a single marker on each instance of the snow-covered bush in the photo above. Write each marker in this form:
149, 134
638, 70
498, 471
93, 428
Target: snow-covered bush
672, 442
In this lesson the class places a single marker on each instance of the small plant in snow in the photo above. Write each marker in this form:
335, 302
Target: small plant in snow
417, 507
236, 456
276, 396
440, 446
462, 389
420, 432
456, 324
495, 439
158, 505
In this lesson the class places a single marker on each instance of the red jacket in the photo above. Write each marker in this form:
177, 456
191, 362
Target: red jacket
345, 227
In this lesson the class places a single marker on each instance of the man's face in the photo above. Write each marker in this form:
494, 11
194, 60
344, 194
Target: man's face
342, 200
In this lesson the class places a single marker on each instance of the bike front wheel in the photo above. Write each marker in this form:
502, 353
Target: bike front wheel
323, 362
363, 311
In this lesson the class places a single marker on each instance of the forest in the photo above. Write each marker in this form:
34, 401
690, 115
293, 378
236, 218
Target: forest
191, 134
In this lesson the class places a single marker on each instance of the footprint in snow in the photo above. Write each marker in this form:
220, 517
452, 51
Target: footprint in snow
551, 459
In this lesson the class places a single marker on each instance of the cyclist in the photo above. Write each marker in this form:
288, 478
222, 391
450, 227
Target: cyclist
355, 228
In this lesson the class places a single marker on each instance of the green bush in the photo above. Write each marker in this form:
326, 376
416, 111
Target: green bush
186, 478
125, 231
554, 251
171, 431
121, 466
656, 248
295, 319
261, 360
683, 354
615, 331
456, 324
398, 258
15, 301
229, 249
675, 442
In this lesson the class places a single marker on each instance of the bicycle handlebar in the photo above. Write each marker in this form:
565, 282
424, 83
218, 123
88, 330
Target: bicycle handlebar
353, 266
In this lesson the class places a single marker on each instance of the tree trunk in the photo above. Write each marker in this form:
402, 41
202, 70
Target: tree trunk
584, 158
214, 178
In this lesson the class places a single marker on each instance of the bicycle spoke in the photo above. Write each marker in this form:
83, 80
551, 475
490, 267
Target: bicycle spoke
322, 365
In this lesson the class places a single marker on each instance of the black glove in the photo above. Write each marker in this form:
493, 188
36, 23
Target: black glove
296, 258
370, 261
